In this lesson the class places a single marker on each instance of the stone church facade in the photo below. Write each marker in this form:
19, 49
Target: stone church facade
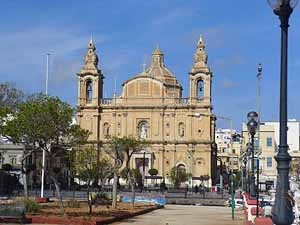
180, 130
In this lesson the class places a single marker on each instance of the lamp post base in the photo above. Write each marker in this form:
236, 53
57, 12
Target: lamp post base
282, 211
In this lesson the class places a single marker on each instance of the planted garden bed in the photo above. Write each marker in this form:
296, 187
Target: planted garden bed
103, 214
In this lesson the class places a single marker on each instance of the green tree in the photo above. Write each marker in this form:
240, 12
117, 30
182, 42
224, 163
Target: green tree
10, 98
7, 167
89, 169
43, 123
135, 173
178, 176
114, 151
203, 178
129, 145
153, 172
104, 173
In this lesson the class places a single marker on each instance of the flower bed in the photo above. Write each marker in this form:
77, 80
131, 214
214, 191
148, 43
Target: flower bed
50, 214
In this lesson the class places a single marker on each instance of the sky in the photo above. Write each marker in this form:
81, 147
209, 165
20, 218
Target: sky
238, 36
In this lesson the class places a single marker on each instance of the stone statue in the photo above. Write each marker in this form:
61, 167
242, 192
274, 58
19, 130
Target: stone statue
106, 129
144, 131
181, 130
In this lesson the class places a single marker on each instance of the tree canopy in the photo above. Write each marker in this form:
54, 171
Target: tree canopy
90, 169
44, 123
10, 98
42, 120
178, 176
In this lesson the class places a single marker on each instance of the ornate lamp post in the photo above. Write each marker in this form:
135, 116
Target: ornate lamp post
252, 125
282, 211
244, 173
214, 151
249, 150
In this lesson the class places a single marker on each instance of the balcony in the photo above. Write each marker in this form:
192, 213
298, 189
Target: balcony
153, 101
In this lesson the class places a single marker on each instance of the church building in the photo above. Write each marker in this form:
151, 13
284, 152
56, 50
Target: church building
180, 129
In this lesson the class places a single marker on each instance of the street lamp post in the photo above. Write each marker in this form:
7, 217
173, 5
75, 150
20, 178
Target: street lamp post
221, 174
252, 125
249, 150
214, 151
282, 211
245, 173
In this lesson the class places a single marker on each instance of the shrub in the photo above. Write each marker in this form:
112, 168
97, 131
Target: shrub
101, 199
7, 167
11, 210
73, 203
31, 206
178, 176
153, 172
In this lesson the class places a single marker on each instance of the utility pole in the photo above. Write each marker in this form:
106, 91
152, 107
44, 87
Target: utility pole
259, 76
44, 153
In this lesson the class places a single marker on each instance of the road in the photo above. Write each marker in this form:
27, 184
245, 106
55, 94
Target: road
187, 215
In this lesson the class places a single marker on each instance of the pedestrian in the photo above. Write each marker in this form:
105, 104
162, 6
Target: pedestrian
162, 186
196, 189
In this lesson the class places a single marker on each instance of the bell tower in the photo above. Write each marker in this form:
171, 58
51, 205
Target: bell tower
90, 78
200, 76
90, 92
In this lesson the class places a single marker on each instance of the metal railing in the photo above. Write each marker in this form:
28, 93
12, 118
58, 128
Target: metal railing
149, 100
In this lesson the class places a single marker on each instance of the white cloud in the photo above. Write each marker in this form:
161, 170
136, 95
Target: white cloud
223, 63
214, 37
228, 84
171, 15
28, 46
24, 55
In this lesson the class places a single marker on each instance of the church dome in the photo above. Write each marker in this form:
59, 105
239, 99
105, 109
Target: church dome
155, 81
158, 71
157, 68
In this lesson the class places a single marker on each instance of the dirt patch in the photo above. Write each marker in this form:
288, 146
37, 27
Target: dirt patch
50, 213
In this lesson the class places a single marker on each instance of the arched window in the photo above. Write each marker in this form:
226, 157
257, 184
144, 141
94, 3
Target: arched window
143, 130
181, 168
89, 91
200, 88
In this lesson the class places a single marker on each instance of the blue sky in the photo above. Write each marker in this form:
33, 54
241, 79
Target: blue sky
238, 35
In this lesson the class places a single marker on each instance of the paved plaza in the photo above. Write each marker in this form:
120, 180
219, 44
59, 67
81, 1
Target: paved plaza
187, 215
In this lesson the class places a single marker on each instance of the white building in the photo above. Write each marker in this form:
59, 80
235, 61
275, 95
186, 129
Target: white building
229, 147
268, 146
293, 135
